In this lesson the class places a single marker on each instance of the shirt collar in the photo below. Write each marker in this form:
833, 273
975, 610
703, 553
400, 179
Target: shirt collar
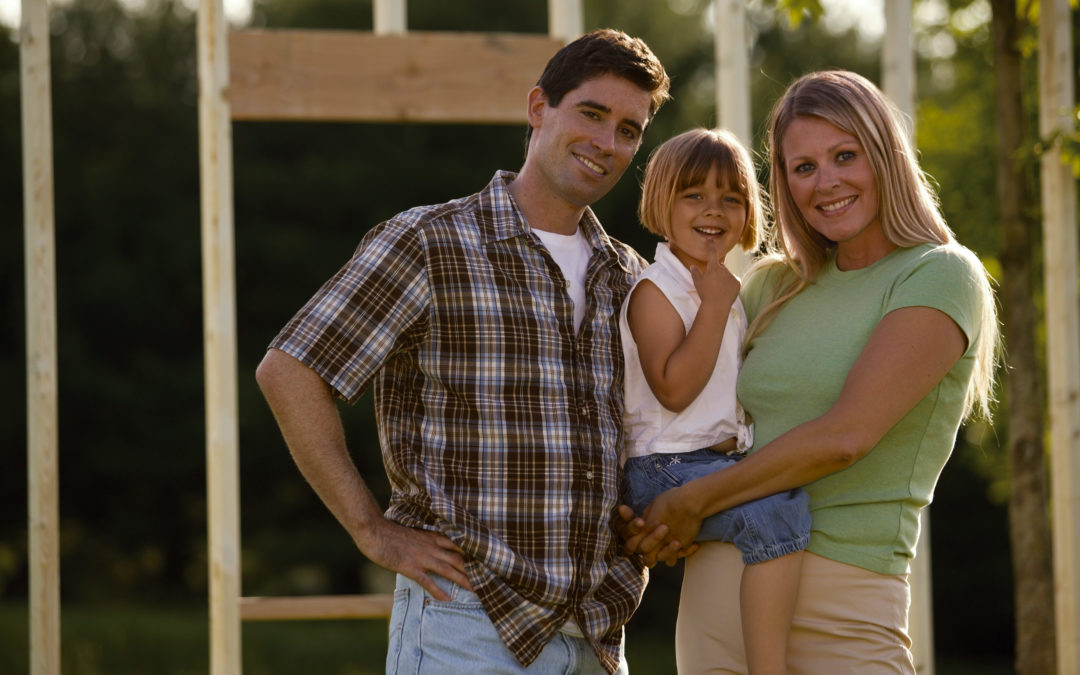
668, 260
506, 221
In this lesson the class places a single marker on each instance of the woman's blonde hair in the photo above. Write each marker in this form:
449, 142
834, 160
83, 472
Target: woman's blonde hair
684, 161
910, 213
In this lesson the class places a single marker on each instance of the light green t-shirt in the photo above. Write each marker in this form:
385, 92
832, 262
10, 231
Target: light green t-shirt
867, 514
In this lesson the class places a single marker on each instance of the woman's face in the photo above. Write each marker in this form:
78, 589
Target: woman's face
831, 180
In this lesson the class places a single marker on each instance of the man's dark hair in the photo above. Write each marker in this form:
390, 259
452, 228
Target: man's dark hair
604, 52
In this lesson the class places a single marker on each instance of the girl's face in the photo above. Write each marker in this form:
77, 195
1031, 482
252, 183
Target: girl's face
712, 211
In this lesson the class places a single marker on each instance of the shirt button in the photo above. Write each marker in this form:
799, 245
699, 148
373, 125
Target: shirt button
589, 475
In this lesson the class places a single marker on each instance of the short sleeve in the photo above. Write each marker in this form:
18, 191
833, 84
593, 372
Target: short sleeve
365, 313
760, 287
949, 278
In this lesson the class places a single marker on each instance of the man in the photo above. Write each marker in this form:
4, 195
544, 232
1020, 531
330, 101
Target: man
487, 327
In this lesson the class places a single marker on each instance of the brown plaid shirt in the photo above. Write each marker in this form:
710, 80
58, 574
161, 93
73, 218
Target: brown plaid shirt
499, 427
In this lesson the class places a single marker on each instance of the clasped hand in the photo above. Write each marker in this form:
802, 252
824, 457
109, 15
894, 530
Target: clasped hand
665, 532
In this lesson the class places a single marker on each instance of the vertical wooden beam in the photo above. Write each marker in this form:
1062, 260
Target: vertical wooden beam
41, 367
566, 20
898, 56
1056, 101
732, 54
731, 49
391, 17
219, 339
898, 83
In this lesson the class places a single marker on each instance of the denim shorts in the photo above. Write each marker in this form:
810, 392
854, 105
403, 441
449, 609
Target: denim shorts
431, 637
763, 529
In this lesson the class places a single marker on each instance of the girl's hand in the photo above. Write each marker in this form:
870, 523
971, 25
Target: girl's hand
715, 283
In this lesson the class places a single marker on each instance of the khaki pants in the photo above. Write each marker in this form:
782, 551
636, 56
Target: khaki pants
847, 619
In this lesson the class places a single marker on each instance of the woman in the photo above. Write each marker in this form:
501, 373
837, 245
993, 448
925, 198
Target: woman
873, 336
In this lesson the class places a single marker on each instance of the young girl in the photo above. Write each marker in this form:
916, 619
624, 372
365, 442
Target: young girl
682, 331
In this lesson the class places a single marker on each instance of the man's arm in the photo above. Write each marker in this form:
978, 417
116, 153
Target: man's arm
303, 405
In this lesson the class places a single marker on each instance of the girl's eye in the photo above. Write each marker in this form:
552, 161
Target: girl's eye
846, 156
734, 199
803, 168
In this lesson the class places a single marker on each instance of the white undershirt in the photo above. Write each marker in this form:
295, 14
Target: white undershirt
571, 252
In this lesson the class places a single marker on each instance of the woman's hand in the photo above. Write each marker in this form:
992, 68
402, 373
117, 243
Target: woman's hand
652, 537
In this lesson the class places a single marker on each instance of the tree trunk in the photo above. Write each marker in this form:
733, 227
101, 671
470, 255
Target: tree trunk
1028, 502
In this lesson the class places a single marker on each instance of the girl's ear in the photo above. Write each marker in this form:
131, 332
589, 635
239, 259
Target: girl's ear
749, 238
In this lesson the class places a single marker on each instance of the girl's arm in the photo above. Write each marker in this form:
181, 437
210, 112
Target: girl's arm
677, 363
909, 353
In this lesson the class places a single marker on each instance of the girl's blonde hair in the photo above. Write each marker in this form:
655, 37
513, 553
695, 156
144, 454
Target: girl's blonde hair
909, 210
684, 161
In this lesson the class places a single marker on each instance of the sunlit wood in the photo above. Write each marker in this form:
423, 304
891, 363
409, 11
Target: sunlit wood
304, 75
219, 340
317, 607
731, 51
41, 366
1056, 101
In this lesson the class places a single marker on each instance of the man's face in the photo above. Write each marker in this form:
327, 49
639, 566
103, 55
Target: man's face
582, 147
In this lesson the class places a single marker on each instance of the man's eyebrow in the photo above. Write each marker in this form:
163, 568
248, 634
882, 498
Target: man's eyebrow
605, 109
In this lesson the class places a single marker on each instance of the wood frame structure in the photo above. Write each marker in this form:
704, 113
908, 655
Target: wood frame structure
215, 117
298, 76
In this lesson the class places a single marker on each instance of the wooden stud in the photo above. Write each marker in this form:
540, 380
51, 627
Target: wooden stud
1056, 101
731, 49
898, 83
42, 416
219, 340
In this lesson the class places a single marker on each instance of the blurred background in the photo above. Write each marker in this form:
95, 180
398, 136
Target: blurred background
132, 452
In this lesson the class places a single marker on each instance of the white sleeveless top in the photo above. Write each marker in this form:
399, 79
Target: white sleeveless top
715, 415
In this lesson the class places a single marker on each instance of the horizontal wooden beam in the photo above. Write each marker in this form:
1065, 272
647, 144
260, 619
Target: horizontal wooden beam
316, 607
314, 75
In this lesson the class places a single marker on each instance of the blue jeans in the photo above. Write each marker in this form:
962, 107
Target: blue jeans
763, 529
429, 637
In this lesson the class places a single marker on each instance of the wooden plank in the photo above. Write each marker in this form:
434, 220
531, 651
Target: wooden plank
898, 83
1060, 270
898, 57
42, 445
390, 17
731, 51
316, 607
566, 20
219, 340
304, 75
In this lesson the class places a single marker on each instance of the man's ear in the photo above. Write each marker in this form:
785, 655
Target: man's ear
538, 104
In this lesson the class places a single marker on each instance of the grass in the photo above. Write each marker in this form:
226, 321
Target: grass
174, 641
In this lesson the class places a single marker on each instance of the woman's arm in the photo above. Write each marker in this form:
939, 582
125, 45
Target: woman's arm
909, 353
